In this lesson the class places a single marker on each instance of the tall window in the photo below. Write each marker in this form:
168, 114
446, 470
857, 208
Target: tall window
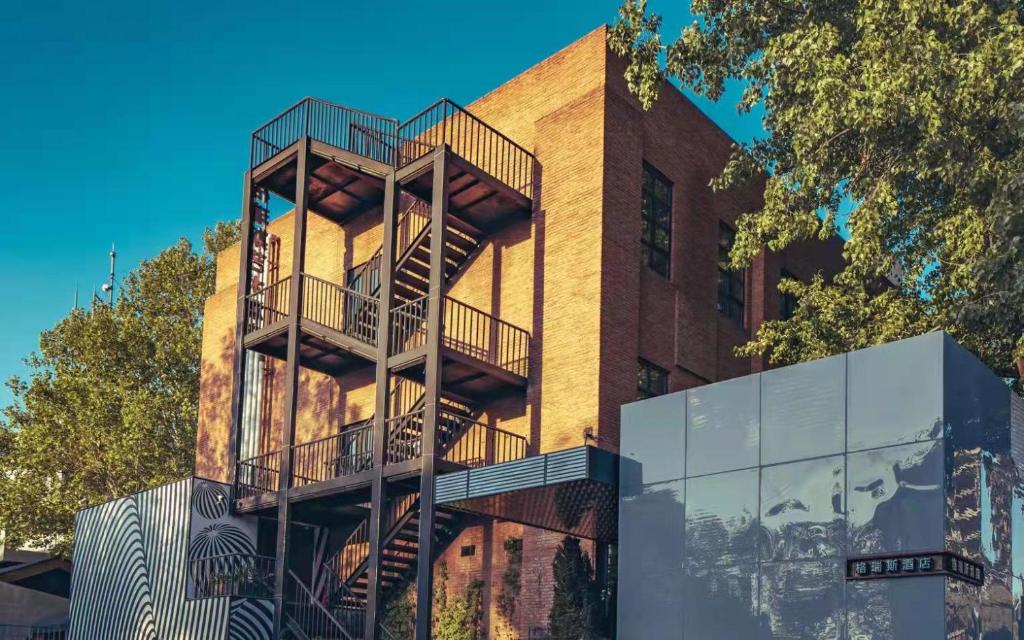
656, 221
787, 301
731, 285
652, 380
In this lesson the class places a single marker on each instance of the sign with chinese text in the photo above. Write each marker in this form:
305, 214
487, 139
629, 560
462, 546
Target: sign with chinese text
916, 564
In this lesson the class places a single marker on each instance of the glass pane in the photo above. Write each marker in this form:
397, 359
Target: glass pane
895, 499
650, 563
722, 426
720, 604
802, 600
802, 510
721, 519
654, 434
895, 392
803, 410
902, 609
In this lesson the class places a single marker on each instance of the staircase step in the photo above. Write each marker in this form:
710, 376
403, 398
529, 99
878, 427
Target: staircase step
464, 226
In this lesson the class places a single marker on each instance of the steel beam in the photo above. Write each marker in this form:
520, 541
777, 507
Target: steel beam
238, 375
291, 389
432, 393
378, 489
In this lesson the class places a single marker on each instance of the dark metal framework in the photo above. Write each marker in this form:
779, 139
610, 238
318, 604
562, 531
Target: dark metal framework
437, 360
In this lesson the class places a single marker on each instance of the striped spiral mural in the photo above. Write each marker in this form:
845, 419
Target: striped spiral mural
131, 559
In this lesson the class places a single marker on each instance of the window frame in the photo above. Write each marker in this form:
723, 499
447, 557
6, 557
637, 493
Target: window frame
732, 284
787, 301
644, 388
655, 217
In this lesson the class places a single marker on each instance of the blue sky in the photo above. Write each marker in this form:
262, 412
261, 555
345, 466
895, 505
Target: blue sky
128, 122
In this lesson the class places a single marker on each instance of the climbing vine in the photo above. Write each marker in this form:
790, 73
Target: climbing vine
511, 579
459, 618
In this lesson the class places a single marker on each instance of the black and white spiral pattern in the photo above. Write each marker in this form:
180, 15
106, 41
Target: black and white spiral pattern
220, 539
209, 500
251, 619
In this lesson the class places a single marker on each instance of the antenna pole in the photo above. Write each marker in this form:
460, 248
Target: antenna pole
110, 282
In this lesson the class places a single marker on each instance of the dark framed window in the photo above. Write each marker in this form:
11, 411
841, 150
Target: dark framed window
787, 301
731, 284
652, 380
656, 221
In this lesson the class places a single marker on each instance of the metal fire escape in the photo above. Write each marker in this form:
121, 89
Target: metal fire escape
445, 181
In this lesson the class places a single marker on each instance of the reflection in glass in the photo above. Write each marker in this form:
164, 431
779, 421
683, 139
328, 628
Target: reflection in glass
722, 422
899, 609
654, 433
720, 603
803, 410
895, 392
801, 600
895, 499
651, 561
721, 519
802, 510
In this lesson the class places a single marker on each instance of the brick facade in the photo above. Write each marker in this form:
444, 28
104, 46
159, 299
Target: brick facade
571, 275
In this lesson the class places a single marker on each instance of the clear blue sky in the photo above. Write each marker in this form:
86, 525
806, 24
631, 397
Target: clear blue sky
129, 121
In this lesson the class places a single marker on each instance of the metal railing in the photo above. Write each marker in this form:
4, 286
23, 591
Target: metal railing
258, 476
268, 305
311, 616
404, 437
350, 562
345, 310
485, 337
465, 441
409, 325
360, 132
343, 454
232, 575
344, 604
33, 632
469, 137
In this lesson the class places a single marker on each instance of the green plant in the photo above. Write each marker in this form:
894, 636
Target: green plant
459, 618
400, 613
511, 578
576, 610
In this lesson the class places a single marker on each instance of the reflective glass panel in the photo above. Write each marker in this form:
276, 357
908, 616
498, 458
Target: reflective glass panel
654, 434
720, 603
900, 609
802, 509
721, 519
803, 410
801, 600
895, 499
722, 426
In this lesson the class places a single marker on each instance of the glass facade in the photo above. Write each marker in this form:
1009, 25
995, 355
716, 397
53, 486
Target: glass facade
741, 501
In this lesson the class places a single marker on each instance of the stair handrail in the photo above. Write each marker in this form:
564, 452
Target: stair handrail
319, 605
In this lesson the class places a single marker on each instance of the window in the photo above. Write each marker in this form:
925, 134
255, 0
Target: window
656, 221
731, 289
787, 301
652, 381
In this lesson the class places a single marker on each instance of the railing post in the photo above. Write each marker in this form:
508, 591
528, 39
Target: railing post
241, 311
432, 394
291, 385
378, 489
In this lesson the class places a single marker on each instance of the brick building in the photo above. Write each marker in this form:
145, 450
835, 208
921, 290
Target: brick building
353, 370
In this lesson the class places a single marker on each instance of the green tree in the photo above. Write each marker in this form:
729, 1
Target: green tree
576, 609
110, 405
912, 110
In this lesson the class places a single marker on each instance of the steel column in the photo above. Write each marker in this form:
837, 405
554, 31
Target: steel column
238, 375
378, 490
432, 393
291, 383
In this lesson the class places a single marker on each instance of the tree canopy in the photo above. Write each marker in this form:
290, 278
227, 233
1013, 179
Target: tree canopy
110, 405
911, 110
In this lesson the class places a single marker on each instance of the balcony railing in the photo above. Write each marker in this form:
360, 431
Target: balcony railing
267, 305
34, 632
345, 310
336, 456
467, 330
445, 122
475, 444
258, 476
404, 437
478, 334
232, 575
360, 132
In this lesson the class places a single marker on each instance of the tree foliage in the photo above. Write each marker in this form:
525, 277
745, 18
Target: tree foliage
913, 111
576, 608
110, 406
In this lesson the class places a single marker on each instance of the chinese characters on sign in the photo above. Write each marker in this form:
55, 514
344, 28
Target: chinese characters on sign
941, 563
